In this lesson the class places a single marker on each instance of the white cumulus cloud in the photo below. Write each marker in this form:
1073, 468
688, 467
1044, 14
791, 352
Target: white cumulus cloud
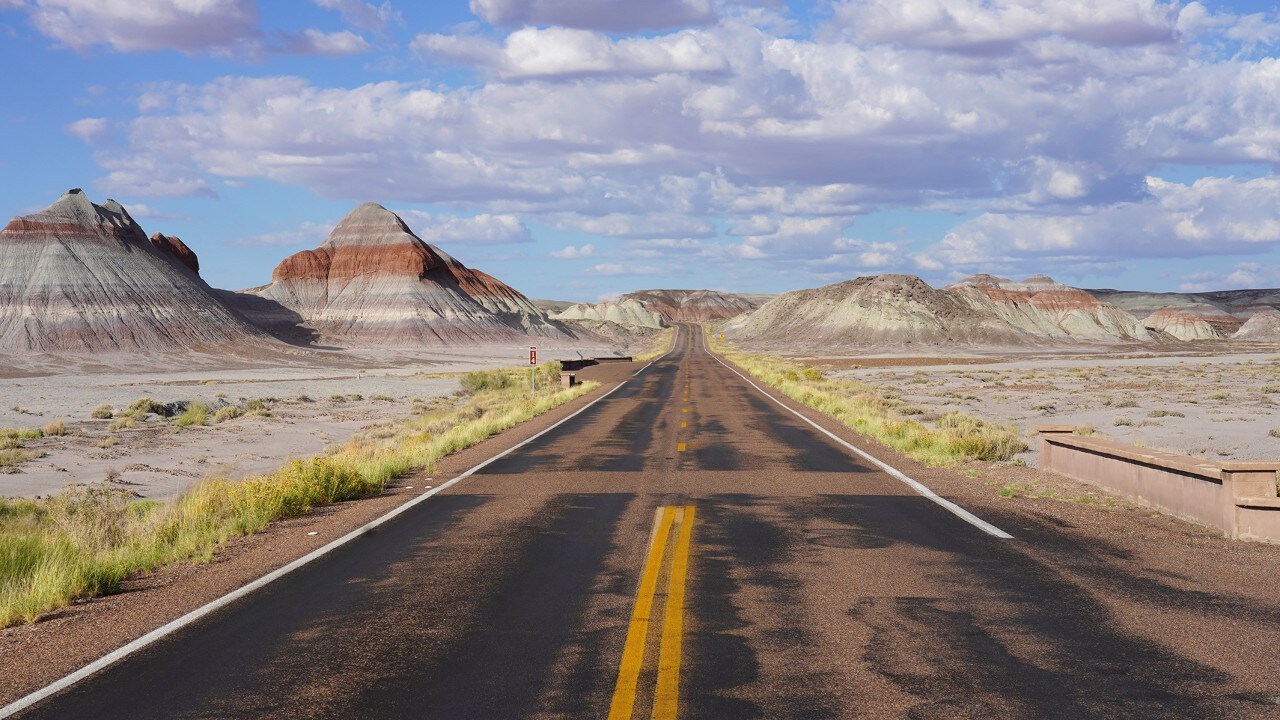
610, 15
483, 229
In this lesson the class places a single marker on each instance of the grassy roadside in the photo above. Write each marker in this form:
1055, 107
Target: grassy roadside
88, 539
661, 346
878, 414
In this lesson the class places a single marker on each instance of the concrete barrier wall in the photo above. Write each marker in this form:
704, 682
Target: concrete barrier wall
1238, 498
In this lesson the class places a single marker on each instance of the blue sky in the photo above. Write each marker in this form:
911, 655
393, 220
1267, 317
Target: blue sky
581, 149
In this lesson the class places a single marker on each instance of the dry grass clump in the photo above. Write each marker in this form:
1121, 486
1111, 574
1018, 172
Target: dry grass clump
380, 397
11, 458
144, 406
195, 414
122, 423
87, 540
230, 412
486, 380
878, 414
102, 412
1165, 413
1122, 422
57, 428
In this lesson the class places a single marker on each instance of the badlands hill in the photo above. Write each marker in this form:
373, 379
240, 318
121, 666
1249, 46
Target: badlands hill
692, 305
886, 310
374, 283
626, 312
1041, 307
903, 311
1264, 326
79, 277
661, 308
1224, 310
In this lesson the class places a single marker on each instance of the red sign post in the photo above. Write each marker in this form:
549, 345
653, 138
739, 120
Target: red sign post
533, 360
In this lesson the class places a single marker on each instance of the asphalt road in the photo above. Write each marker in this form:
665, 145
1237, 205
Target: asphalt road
684, 548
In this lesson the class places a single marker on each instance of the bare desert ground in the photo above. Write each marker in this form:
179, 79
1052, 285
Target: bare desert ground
1214, 406
301, 408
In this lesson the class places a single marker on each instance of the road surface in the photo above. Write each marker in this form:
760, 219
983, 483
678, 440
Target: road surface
684, 548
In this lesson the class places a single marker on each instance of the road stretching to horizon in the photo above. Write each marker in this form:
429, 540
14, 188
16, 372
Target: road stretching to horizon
683, 548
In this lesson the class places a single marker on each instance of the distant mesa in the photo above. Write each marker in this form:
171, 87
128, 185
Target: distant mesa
79, 277
900, 311
374, 283
661, 308
693, 305
881, 310
1182, 325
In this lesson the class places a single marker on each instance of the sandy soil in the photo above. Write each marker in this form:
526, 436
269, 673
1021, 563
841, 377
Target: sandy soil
1218, 407
319, 400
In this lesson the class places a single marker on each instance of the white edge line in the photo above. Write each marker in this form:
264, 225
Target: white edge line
919, 487
121, 653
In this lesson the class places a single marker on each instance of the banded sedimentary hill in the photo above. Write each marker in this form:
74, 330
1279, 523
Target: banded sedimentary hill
896, 311
1182, 325
78, 277
692, 305
374, 283
1042, 307
660, 308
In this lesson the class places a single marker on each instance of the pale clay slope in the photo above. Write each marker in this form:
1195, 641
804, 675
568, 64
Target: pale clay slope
624, 312
1262, 327
83, 278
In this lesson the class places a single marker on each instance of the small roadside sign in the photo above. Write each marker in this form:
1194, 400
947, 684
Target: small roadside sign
533, 355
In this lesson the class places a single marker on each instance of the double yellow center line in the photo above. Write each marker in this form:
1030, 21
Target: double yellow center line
666, 694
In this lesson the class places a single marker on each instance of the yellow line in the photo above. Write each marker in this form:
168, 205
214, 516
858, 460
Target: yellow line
624, 693
679, 447
684, 424
666, 699
685, 410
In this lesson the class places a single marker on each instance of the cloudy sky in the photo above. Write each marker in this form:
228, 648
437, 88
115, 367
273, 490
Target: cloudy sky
580, 148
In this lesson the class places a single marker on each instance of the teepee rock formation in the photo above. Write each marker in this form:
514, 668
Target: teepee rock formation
80, 277
374, 283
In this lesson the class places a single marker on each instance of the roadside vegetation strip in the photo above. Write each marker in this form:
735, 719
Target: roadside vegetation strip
870, 411
88, 539
661, 346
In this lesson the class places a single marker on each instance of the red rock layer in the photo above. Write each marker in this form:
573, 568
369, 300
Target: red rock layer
178, 250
